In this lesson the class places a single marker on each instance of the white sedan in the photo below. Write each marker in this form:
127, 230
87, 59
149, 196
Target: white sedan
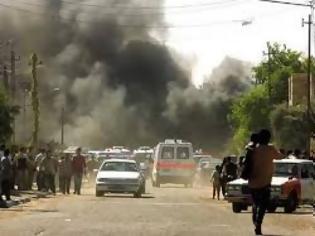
120, 176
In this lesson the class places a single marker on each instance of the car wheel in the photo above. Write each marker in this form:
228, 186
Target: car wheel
237, 207
272, 208
137, 194
143, 189
99, 193
291, 203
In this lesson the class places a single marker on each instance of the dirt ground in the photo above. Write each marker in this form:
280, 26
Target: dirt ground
169, 210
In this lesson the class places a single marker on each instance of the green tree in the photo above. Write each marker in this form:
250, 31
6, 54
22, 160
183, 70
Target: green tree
253, 110
289, 126
249, 113
6, 118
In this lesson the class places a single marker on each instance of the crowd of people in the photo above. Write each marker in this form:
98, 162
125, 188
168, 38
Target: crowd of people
25, 170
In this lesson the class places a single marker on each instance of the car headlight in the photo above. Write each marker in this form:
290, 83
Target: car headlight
234, 188
276, 189
101, 180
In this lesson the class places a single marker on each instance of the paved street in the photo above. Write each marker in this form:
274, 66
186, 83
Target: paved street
170, 210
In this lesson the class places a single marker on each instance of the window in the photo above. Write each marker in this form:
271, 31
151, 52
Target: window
167, 153
119, 166
304, 172
182, 153
311, 170
286, 169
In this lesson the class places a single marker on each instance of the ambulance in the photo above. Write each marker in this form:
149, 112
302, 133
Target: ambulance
173, 163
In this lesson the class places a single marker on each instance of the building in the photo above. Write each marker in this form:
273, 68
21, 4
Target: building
297, 86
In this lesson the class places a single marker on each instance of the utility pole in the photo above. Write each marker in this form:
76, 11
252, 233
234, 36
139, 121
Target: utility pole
62, 125
5, 77
13, 59
35, 100
309, 77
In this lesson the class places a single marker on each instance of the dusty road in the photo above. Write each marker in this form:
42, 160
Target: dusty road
170, 210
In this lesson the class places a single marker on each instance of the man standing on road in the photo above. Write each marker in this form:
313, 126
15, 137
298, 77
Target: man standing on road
49, 165
261, 176
215, 178
65, 171
6, 172
78, 168
22, 169
31, 168
40, 179
228, 172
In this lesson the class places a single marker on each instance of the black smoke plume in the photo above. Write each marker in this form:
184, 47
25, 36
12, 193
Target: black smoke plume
117, 83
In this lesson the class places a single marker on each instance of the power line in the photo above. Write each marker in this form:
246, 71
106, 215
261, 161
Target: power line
27, 11
137, 12
288, 3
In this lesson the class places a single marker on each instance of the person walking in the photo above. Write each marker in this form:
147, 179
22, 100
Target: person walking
215, 178
31, 168
260, 177
6, 173
223, 180
78, 168
40, 173
49, 166
22, 169
65, 173
230, 170
92, 165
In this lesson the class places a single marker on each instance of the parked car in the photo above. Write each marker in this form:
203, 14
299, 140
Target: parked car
120, 176
293, 183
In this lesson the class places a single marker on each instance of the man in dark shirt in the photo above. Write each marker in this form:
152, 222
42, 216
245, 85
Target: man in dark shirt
78, 169
230, 170
22, 169
6, 170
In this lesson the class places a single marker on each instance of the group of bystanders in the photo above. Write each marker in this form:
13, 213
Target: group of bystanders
20, 170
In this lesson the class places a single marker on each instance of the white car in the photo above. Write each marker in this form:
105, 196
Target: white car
293, 183
120, 176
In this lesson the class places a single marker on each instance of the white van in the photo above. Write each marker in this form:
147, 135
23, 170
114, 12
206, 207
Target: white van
173, 163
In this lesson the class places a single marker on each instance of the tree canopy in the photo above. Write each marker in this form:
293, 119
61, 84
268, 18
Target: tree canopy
265, 105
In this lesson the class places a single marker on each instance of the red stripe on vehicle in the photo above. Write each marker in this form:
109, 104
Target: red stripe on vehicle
174, 165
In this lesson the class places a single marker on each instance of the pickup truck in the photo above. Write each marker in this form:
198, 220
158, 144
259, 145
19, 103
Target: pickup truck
293, 183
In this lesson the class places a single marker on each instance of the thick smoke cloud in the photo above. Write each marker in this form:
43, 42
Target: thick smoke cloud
118, 85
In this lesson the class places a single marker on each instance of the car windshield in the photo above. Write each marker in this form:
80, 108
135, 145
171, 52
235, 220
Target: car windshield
167, 153
286, 169
119, 166
182, 153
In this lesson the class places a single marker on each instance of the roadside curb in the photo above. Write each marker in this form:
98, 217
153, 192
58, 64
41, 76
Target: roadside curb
22, 197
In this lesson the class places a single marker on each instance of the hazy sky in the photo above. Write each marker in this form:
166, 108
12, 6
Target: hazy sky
225, 35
